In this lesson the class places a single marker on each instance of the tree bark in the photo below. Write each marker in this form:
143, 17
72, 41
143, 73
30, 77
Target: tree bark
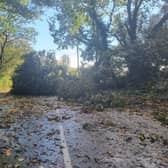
3, 45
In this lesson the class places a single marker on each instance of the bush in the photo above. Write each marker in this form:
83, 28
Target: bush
106, 99
74, 88
162, 117
34, 78
25, 79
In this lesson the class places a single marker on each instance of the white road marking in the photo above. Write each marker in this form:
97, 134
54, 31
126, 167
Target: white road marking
67, 159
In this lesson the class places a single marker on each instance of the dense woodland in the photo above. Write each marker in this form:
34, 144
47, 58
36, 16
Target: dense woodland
125, 39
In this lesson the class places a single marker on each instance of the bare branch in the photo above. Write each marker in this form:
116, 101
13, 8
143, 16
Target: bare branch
111, 15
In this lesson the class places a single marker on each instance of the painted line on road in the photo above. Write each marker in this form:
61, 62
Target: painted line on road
66, 155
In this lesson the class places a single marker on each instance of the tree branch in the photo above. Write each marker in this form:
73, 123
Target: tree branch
156, 28
122, 42
111, 15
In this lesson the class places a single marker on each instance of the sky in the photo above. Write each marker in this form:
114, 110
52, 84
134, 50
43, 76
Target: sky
44, 41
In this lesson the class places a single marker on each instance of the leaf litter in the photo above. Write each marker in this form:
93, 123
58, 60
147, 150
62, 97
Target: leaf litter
29, 136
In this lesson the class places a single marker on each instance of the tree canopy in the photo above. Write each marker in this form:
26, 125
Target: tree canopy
14, 19
99, 25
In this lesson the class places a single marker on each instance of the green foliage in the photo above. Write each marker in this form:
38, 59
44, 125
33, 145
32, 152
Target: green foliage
35, 76
106, 99
81, 22
40, 75
23, 8
5, 83
72, 71
12, 58
162, 117
14, 18
94, 24
79, 19
74, 88
25, 78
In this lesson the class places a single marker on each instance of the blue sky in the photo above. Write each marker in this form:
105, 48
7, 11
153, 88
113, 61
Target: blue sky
44, 41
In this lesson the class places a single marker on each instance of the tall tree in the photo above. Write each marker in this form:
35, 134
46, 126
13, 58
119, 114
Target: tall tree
129, 25
13, 20
82, 22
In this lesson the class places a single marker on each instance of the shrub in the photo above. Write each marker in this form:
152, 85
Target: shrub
25, 79
162, 117
35, 77
106, 99
74, 88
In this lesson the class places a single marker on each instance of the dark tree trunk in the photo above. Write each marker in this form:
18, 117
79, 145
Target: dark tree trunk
101, 42
3, 45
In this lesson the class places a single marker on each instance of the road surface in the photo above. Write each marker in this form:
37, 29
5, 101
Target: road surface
63, 136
